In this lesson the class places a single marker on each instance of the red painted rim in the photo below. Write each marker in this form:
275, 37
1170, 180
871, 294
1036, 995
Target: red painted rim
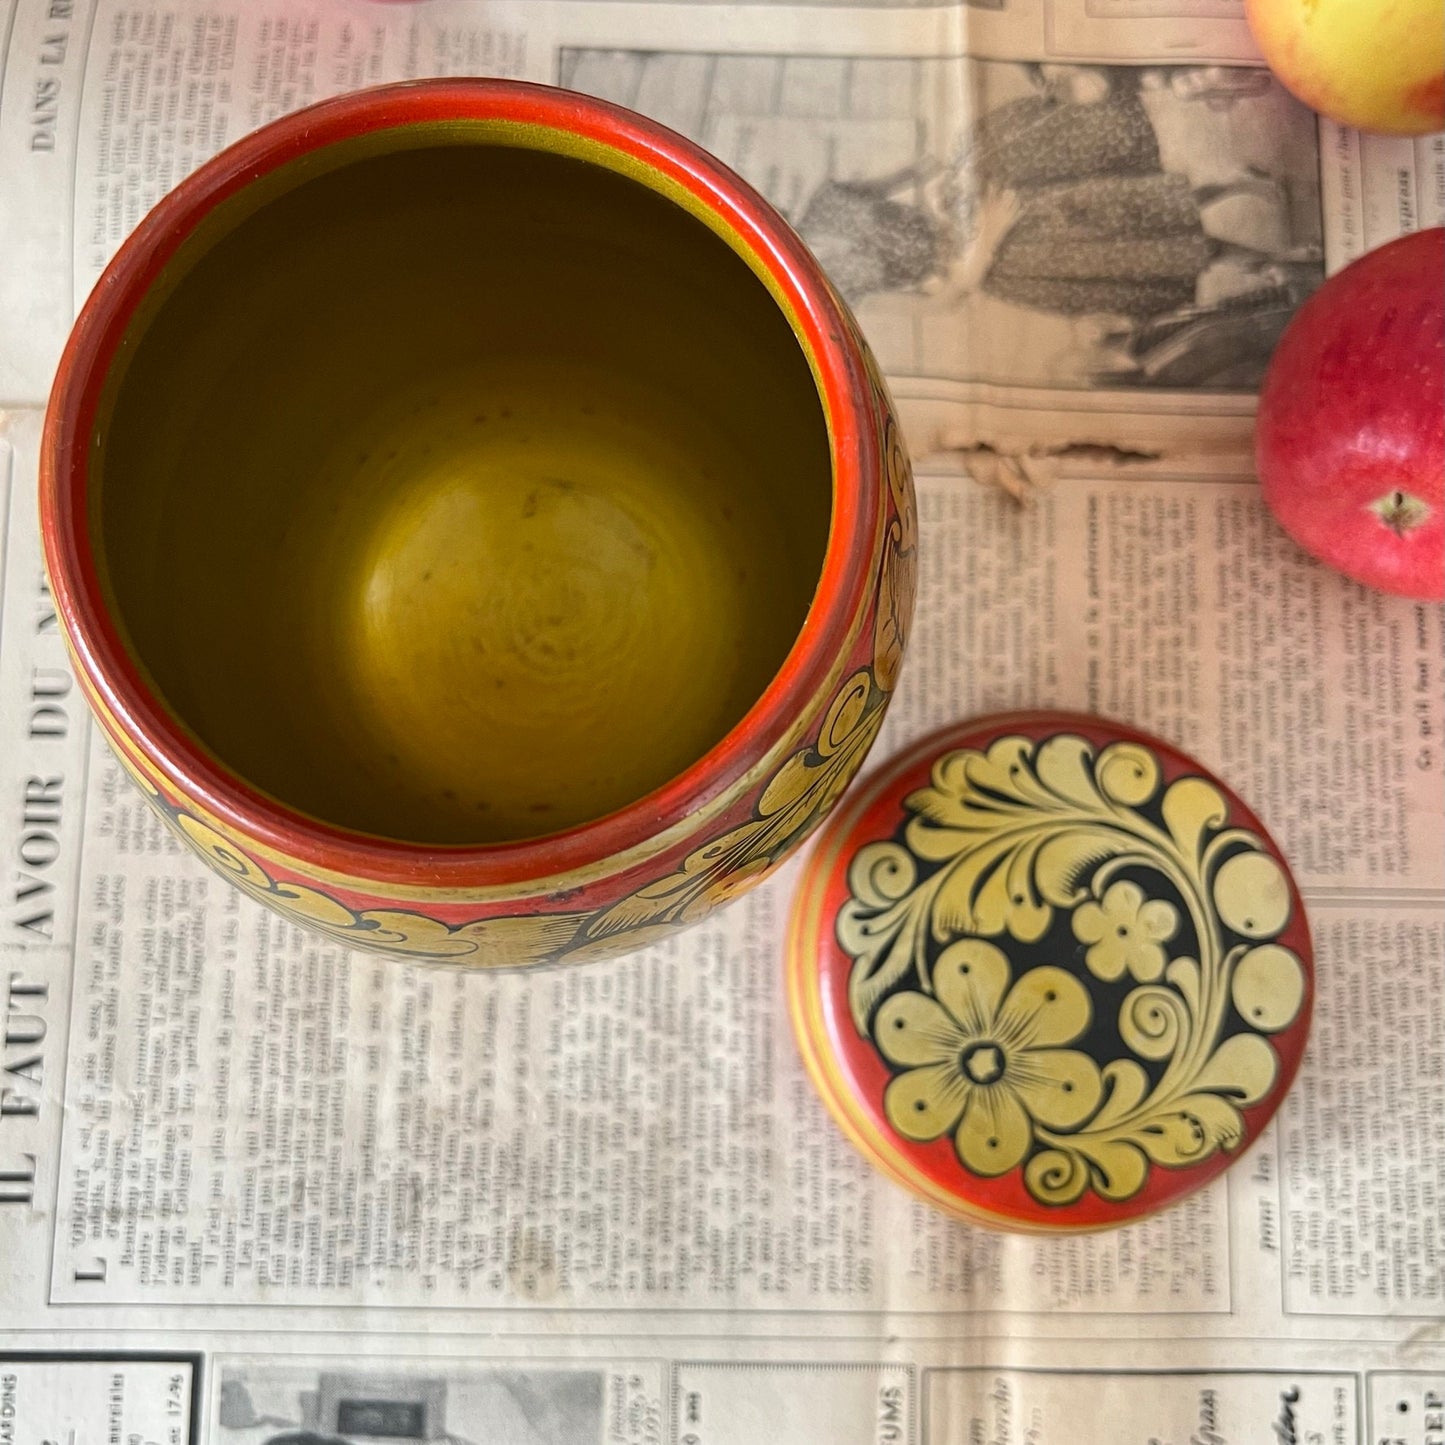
100, 653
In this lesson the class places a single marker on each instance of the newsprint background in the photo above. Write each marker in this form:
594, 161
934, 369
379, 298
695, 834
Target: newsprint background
255, 1190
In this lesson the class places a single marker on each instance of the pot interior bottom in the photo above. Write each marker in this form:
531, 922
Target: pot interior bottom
527, 602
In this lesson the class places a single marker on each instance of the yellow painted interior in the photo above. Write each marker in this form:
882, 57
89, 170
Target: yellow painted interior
461, 493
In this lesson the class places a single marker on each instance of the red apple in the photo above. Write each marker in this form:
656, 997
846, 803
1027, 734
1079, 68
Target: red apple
1350, 440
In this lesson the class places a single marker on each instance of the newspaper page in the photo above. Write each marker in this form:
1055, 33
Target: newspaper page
254, 1189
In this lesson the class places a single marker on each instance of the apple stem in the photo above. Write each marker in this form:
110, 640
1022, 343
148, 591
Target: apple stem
1400, 511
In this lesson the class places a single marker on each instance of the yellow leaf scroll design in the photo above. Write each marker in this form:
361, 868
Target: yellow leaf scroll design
898, 571
486, 942
804, 788
1000, 843
800, 793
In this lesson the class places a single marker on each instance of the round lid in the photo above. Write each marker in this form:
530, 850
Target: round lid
1049, 973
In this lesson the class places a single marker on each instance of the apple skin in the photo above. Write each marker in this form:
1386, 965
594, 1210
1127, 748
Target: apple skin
1350, 435
1375, 64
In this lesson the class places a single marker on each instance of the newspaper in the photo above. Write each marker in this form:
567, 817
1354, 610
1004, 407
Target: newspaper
255, 1189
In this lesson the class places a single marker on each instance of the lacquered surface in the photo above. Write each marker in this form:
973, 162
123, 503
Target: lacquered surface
1048, 973
665, 859
470, 515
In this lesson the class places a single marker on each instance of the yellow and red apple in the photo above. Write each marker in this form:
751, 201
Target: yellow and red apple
1375, 64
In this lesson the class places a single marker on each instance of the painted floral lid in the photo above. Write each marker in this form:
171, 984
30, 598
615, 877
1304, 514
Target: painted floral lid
1048, 973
